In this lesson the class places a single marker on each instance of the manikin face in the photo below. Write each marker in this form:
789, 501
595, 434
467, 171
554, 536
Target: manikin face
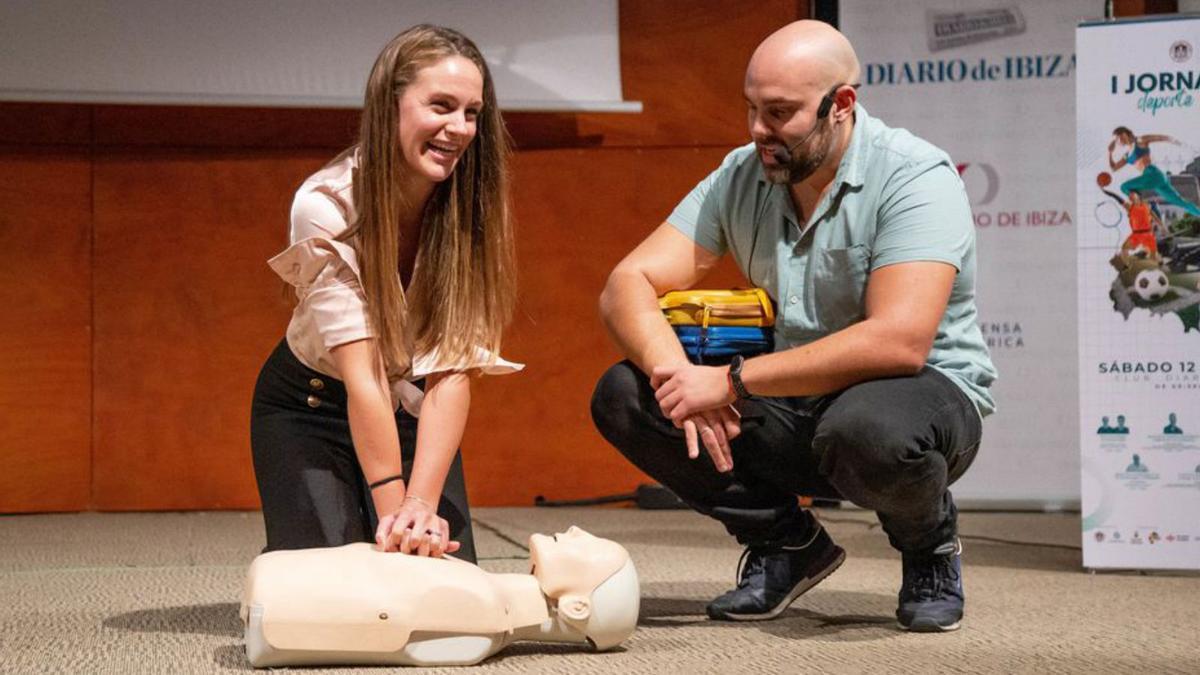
573, 562
781, 110
553, 555
438, 113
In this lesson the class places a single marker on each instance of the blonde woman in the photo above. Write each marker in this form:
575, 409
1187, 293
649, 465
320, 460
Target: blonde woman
402, 260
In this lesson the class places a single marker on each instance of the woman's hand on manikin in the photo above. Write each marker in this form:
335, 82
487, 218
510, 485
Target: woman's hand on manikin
415, 528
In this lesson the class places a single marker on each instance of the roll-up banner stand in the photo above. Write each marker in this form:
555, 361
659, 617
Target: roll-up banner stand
1138, 252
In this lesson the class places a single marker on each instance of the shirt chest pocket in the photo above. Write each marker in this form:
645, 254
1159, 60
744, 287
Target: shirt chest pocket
839, 282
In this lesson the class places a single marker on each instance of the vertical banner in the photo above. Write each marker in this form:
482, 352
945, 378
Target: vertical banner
992, 83
1138, 251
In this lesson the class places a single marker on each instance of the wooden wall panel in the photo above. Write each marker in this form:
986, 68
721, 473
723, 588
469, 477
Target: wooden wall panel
186, 312
189, 202
578, 213
45, 278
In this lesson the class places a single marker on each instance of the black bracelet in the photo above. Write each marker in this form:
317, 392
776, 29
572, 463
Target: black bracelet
384, 481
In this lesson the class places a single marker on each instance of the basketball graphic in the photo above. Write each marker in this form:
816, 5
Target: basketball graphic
1103, 179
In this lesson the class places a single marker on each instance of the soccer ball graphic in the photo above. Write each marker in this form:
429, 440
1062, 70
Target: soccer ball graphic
1150, 285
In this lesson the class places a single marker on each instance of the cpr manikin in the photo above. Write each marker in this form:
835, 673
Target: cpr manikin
354, 605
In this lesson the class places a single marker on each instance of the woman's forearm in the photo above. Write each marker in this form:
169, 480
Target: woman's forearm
439, 433
376, 444
372, 420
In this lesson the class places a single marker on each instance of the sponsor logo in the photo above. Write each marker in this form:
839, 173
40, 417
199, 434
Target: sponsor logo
982, 173
956, 29
941, 71
1181, 50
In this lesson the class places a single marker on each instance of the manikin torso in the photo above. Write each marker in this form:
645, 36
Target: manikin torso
355, 605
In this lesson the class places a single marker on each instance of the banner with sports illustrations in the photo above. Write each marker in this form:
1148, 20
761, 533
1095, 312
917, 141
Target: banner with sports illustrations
1138, 231
992, 82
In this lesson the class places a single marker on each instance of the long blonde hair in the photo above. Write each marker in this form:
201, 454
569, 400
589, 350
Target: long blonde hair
463, 289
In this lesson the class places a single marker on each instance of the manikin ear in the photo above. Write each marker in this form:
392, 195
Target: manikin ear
575, 607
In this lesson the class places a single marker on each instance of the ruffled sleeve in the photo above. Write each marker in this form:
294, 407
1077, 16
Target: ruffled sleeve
326, 277
482, 360
407, 394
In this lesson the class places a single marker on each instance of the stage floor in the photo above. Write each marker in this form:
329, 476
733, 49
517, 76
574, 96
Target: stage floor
158, 593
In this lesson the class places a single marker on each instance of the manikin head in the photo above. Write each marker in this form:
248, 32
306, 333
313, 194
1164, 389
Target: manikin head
788, 76
593, 582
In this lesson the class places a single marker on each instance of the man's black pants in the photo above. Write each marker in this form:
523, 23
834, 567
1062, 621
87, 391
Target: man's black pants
892, 445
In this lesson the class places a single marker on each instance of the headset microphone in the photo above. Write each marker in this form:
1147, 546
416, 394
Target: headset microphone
782, 154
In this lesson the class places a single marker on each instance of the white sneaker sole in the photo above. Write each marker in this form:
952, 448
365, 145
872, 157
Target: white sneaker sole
925, 627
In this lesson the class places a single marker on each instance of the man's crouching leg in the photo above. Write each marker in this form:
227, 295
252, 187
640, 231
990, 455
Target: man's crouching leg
895, 446
787, 551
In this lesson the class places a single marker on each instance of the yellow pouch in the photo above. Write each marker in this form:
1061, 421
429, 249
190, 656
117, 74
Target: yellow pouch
728, 307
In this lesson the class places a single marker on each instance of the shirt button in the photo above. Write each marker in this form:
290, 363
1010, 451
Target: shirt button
793, 300
314, 402
316, 383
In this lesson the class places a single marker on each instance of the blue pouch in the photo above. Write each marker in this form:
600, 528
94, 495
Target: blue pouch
716, 345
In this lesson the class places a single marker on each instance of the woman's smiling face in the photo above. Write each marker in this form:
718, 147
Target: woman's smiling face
438, 113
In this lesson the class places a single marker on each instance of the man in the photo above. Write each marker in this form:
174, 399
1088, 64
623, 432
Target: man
863, 237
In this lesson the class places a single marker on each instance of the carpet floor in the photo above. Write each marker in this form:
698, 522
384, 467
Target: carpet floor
158, 593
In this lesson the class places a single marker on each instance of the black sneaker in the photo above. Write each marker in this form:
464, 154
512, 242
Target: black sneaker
771, 576
931, 596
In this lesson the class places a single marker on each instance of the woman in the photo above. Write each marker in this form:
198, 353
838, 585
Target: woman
402, 260
1151, 177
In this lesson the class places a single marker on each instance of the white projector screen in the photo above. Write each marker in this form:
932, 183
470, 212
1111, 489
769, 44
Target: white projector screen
544, 54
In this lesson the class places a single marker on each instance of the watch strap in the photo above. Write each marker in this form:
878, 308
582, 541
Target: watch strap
735, 377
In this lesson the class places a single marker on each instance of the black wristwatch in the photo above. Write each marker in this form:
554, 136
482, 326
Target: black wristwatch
735, 377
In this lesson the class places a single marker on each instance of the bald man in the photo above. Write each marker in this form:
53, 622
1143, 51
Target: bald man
875, 392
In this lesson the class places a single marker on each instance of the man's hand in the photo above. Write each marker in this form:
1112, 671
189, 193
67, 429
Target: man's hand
715, 428
697, 399
684, 390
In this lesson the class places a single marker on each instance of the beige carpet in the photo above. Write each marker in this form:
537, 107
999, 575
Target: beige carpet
157, 593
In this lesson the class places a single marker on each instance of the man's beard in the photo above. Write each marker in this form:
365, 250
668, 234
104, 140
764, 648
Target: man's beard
811, 156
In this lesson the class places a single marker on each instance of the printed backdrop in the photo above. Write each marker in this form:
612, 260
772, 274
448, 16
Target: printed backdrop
992, 82
1138, 188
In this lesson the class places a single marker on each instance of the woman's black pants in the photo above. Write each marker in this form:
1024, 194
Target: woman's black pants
312, 488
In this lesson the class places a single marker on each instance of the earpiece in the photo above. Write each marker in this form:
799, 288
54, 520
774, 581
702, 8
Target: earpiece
783, 154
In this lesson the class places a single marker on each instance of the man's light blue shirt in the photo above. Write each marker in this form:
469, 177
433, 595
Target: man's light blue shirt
895, 199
